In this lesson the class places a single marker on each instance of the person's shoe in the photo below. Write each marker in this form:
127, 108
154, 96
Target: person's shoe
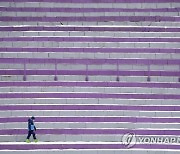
36, 140
27, 141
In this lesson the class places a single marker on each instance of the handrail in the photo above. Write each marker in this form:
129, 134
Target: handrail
87, 62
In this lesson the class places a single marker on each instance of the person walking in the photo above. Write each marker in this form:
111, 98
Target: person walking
31, 130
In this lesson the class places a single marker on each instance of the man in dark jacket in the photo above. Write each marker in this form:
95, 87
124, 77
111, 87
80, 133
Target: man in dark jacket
31, 130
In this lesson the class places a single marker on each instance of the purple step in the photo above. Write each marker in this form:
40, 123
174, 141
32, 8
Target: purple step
92, 50
79, 28
96, 1
85, 146
88, 95
91, 72
90, 61
89, 39
89, 107
81, 10
93, 119
91, 19
90, 131
90, 84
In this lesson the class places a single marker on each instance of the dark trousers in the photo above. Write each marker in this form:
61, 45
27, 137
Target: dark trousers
33, 133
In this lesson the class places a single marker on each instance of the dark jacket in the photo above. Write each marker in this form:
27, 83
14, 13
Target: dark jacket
31, 126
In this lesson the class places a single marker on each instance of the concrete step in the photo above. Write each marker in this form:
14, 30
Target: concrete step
90, 151
51, 44
97, 119
114, 132
80, 55
90, 29
35, 13
110, 78
92, 89
97, 23
91, 19
88, 39
93, 50
82, 145
69, 138
63, 9
76, 101
125, 151
67, 4
6, 34
88, 95
91, 125
90, 84
91, 113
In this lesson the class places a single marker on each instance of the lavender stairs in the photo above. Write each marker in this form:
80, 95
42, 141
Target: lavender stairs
99, 76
